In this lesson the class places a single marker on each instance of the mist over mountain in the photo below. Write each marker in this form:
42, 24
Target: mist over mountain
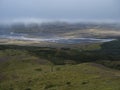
61, 29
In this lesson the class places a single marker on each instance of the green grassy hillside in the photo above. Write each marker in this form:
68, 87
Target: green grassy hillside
46, 68
30, 75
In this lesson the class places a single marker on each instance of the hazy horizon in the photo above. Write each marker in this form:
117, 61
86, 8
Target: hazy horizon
59, 10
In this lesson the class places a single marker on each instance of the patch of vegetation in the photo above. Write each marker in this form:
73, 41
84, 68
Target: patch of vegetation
85, 76
38, 69
109, 51
45, 68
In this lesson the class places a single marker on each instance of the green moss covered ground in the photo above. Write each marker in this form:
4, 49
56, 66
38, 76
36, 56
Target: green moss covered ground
46, 68
18, 75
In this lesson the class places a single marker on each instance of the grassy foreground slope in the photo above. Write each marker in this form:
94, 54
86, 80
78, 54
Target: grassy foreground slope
29, 75
48, 68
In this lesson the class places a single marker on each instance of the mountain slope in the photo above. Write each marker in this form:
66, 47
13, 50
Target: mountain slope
33, 76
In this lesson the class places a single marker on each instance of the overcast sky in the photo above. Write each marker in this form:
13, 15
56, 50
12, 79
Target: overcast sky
72, 10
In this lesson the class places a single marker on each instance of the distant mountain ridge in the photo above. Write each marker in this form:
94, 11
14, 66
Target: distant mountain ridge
60, 29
